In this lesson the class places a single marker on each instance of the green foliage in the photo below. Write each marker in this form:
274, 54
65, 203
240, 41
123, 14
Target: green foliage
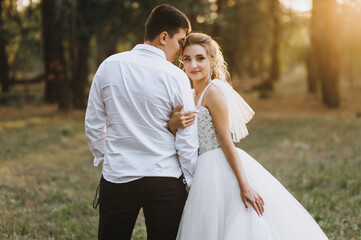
114, 26
22, 32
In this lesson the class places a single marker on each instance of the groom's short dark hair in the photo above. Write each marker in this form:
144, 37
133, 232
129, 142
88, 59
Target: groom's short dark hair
165, 18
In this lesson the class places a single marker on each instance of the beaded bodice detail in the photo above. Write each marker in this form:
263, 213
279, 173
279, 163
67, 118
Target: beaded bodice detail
207, 136
206, 132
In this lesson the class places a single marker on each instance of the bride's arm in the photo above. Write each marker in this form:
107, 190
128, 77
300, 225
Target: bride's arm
214, 101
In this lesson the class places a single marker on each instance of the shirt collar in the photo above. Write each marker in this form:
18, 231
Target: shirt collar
150, 48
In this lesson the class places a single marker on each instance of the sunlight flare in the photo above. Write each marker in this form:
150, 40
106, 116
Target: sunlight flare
298, 5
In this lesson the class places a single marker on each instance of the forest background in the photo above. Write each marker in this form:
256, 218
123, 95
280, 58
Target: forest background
297, 63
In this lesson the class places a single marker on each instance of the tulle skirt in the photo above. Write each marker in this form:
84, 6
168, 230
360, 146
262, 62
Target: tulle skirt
214, 209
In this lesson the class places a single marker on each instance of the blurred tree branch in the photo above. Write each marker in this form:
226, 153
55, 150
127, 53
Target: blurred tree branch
37, 79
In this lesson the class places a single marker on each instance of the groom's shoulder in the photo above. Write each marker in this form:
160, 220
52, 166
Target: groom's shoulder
173, 71
118, 56
161, 66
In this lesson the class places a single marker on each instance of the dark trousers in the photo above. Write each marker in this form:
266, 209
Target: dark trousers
162, 200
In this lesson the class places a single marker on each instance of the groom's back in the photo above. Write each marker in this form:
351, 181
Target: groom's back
139, 89
131, 99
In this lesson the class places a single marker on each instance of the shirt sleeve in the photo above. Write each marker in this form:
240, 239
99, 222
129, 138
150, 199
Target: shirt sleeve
95, 121
186, 142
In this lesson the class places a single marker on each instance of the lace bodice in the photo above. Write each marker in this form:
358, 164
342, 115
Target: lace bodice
206, 131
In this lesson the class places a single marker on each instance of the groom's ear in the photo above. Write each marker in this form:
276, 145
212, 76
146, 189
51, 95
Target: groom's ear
163, 37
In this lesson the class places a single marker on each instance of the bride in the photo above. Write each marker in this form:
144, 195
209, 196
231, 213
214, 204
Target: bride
232, 195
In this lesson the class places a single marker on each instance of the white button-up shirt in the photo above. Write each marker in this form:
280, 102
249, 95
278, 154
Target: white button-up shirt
131, 99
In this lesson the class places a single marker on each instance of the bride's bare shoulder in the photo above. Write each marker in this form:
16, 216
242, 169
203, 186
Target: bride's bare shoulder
213, 96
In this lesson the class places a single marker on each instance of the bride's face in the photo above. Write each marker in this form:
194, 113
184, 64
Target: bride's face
196, 62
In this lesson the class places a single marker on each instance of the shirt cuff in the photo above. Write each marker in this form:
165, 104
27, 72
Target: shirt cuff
98, 160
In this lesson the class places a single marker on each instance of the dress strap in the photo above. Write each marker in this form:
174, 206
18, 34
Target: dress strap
202, 95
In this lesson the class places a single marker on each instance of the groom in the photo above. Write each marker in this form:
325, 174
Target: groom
131, 99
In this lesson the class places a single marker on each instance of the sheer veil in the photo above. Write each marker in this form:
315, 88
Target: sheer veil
239, 112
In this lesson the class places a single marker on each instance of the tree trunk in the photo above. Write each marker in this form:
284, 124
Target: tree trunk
56, 81
274, 71
311, 59
4, 66
62, 84
105, 48
81, 51
275, 52
251, 69
235, 65
80, 73
311, 63
349, 68
48, 15
328, 64
216, 26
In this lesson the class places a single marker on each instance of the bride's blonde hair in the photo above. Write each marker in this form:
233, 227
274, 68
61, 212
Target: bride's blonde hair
218, 65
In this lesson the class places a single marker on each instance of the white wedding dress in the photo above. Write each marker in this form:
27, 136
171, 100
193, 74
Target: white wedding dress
214, 209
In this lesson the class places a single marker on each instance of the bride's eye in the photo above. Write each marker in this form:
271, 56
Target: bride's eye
186, 59
200, 58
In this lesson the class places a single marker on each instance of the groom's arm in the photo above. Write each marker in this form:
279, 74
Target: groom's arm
95, 120
186, 140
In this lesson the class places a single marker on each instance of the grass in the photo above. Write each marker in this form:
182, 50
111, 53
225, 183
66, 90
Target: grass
47, 180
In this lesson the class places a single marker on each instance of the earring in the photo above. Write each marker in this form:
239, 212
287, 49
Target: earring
210, 75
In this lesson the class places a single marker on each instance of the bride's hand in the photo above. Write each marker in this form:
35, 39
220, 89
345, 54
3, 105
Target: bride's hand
250, 196
181, 119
